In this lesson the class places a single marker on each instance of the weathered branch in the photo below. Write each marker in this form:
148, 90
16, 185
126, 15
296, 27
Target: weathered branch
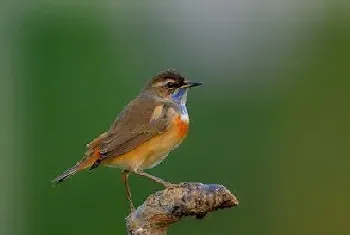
168, 206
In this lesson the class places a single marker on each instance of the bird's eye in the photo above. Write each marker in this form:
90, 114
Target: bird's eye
170, 85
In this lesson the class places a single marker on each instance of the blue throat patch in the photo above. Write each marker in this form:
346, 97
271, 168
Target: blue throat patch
183, 109
178, 98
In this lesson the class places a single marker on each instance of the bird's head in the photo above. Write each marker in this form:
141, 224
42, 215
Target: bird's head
170, 85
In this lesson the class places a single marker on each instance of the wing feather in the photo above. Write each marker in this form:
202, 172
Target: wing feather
141, 120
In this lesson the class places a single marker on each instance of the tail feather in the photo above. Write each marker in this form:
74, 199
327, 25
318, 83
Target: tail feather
65, 175
91, 156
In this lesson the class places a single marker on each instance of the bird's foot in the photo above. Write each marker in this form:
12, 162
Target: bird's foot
132, 209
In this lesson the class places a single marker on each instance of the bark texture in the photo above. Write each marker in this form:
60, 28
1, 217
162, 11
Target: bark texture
170, 205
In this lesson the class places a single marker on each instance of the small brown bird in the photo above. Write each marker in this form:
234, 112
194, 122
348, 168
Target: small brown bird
148, 128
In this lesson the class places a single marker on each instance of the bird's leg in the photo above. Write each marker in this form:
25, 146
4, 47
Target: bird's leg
125, 177
156, 179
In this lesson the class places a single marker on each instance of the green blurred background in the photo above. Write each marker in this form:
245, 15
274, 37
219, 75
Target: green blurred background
271, 122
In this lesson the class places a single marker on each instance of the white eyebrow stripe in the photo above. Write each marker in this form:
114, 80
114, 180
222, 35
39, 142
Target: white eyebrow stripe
159, 84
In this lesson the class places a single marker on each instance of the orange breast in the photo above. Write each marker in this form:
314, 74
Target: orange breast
152, 152
182, 127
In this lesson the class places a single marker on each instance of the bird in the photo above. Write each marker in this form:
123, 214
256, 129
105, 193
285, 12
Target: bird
144, 133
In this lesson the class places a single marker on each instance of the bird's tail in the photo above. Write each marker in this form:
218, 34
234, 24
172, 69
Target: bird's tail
91, 156
65, 175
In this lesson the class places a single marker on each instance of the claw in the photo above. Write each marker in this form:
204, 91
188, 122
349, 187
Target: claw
132, 209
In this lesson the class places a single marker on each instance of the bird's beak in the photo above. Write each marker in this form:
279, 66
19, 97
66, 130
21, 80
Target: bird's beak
189, 84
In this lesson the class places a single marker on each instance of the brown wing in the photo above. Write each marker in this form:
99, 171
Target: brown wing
134, 126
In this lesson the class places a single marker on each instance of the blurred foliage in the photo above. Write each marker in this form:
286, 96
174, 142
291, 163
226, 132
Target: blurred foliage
271, 121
